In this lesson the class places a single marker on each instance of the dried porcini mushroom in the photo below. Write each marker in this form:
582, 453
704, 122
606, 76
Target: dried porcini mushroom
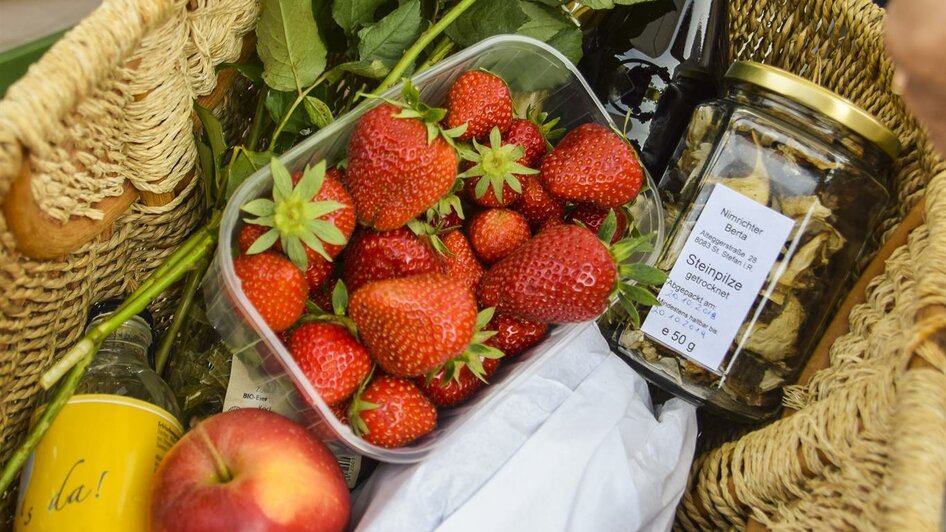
776, 339
754, 185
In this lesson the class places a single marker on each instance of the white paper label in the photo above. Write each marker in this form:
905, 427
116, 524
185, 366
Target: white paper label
717, 276
251, 387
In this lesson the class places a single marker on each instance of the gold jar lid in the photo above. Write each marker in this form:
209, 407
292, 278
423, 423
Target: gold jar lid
819, 99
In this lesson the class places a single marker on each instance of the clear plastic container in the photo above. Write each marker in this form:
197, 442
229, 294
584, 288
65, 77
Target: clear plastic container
537, 74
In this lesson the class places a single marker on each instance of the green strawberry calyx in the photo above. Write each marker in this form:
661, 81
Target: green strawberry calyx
358, 405
634, 280
495, 165
433, 225
294, 218
546, 126
472, 357
337, 314
413, 107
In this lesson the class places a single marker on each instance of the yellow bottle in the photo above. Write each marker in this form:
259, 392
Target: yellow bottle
92, 469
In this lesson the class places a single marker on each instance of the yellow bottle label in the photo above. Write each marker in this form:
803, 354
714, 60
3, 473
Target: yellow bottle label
92, 470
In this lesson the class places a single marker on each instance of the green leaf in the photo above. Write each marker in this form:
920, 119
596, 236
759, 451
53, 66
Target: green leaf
643, 274
278, 104
315, 245
327, 232
485, 19
259, 207
483, 317
544, 21
321, 208
352, 14
294, 248
568, 41
319, 113
340, 298
282, 181
632, 2
264, 242
213, 130
311, 183
368, 69
638, 294
252, 70
207, 168
608, 227
288, 42
387, 40
598, 4
245, 164
481, 187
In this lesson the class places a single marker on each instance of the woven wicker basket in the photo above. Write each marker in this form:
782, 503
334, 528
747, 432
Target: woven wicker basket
106, 111
864, 449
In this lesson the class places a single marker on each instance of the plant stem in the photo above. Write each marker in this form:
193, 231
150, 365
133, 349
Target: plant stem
411, 54
292, 109
169, 272
180, 313
443, 47
205, 239
56, 403
257, 128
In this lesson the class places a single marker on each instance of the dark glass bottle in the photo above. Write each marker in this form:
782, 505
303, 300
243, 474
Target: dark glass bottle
651, 64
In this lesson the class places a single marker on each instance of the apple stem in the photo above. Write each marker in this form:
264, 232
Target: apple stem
223, 472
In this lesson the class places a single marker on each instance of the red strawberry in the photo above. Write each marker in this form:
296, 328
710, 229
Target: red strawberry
455, 391
318, 272
249, 233
563, 275
489, 199
595, 165
495, 233
537, 205
394, 173
373, 256
322, 296
274, 286
513, 336
593, 217
415, 324
309, 216
344, 219
450, 220
481, 100
340, 410
392, 412
462, 265
331, 358
529, 135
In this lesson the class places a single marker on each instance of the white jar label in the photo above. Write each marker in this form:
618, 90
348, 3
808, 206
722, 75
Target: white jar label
718, 275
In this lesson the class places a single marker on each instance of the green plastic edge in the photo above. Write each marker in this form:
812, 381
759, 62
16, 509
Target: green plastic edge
15, 61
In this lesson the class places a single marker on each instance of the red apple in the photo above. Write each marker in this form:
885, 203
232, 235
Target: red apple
249, 469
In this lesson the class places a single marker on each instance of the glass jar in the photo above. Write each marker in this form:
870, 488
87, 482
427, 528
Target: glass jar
771, 196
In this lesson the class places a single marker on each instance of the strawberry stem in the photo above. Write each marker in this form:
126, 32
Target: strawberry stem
426, 38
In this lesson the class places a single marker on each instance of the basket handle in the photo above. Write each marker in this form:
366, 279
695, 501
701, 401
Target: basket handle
35, 105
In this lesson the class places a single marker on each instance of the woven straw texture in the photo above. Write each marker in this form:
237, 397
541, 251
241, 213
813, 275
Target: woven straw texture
865, 449
110, 103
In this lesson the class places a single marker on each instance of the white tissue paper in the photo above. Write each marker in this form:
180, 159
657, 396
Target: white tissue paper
576, 447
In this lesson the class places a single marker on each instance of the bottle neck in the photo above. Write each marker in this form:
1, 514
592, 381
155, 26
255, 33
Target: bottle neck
127, 345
